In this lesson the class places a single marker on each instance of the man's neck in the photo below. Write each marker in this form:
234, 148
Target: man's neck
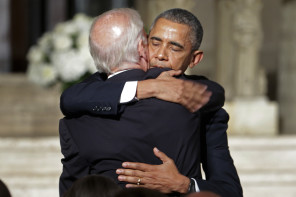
125, 67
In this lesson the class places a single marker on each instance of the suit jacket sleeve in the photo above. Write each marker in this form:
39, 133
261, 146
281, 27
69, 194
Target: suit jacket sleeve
73, 165
218, 94
221, 174
93, 96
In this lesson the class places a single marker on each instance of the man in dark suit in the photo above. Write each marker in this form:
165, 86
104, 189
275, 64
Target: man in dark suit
99, 145
218, 165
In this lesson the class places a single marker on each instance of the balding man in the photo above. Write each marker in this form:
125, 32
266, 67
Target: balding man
98, 145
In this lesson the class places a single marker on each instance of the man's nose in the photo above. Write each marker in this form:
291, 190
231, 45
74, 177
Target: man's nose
162, 55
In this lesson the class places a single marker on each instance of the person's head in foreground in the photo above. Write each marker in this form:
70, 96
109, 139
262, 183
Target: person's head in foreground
93, 186
4, 191
139, 192
203, 194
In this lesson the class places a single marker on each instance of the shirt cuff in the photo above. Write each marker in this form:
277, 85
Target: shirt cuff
129, 91
196, 186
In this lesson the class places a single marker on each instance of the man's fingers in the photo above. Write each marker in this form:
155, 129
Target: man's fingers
163, 157
129, 172
132, 179
200, 87
137, 166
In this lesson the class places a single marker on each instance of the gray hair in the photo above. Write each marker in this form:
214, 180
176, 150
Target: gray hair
125, 50
182, 16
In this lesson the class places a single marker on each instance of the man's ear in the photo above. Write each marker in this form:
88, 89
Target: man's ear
142, 49
196, 58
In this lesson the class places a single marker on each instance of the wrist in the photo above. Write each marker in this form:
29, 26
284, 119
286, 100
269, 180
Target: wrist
146, 89
184, 185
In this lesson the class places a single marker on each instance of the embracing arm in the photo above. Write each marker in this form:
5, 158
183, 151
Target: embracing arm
74, 167
191, 91
164, 178
98, 97
221, 175
187, 93
92, 96
218, 94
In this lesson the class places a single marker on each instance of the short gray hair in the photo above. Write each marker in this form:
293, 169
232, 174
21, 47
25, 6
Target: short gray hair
182, 16
125, 50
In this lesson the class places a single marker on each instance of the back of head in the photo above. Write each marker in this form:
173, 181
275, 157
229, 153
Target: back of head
182, 16
139, 192
4, 192
203, 194
114, 38
93, 186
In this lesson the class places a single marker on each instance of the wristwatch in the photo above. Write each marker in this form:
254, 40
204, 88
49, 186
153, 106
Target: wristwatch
191, 187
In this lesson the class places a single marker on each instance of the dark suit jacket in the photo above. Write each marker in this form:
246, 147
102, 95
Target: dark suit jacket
99, 145
221, 175
93, 96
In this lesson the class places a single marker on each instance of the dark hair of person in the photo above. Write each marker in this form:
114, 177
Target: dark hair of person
4, 191
182, 16
93, 186
139, 192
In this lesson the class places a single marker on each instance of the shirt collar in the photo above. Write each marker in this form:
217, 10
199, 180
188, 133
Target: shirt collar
116, 73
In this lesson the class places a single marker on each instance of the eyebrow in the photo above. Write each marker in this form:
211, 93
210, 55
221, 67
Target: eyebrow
177, 44
171, 42
155, 38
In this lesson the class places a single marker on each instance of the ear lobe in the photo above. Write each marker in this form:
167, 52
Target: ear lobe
197, 57
141, 49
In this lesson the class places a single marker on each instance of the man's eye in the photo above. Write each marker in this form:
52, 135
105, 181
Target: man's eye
176, 49
155, 43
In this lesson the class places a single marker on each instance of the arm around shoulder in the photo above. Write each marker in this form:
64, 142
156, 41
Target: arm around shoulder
92, 96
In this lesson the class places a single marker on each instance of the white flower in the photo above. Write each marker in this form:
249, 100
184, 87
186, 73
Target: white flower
63, 54
91, 66
82, 22
88, 61
61, 42
67, 28
33, 73
48, 74
45, 42
82, 40
35, 55
69, 65
43, 74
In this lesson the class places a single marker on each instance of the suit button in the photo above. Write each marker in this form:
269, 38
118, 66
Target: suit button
99, 109
95, 108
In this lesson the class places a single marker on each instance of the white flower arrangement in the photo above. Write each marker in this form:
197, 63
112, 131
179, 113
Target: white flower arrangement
63, 54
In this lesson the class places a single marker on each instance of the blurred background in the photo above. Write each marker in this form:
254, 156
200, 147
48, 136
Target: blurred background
249, 47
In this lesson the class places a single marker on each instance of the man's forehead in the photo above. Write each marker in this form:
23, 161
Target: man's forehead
170, 29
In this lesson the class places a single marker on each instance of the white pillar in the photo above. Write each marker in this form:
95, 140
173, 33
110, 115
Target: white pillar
238, 70
239, 42
287, 69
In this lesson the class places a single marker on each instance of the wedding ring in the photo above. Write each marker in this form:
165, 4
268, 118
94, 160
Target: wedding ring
139, 181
